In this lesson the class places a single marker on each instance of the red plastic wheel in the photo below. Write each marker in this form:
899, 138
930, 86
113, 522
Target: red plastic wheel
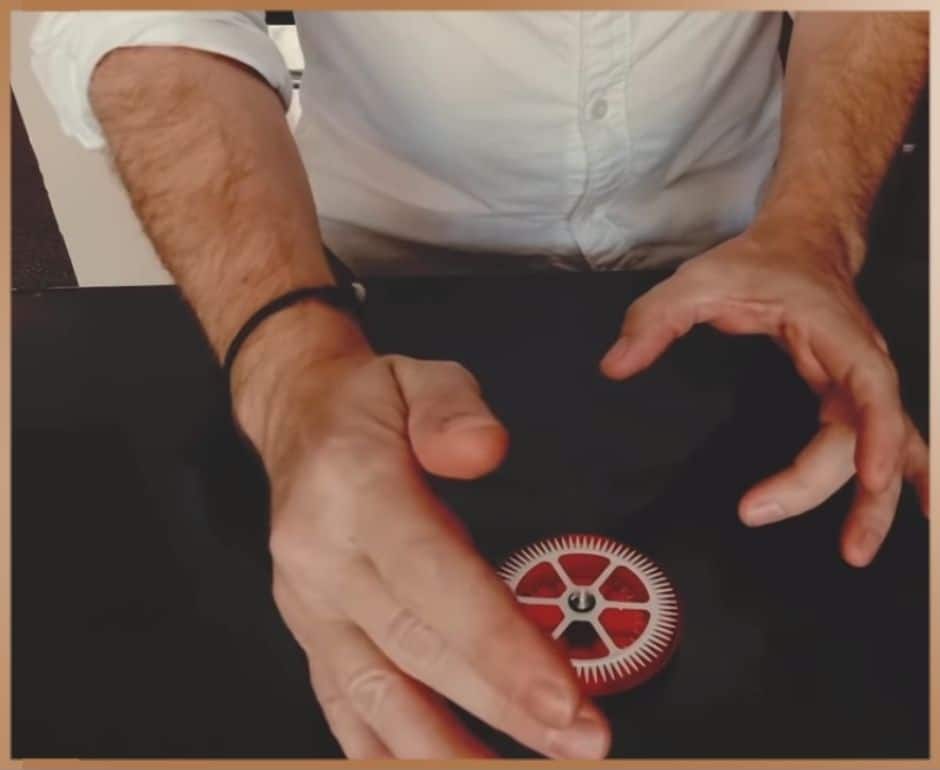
612, 609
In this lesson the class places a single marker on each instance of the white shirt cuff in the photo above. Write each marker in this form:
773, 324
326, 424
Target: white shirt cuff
67, 47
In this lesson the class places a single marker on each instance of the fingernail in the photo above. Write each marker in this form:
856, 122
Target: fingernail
468, 422
618, 351
552, 703
764, 513
865, 544
587, 738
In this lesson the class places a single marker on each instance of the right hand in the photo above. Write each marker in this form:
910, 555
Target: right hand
378, 580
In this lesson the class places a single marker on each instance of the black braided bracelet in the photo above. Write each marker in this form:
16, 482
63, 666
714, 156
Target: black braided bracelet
346, 297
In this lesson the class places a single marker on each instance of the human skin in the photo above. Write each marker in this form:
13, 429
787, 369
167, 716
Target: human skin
347, 436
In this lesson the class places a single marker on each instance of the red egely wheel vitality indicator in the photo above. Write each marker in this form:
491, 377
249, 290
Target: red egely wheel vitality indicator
613, 610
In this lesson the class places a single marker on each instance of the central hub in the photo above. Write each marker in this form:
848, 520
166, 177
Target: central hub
581, 600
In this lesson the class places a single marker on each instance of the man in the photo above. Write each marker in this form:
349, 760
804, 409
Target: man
565, 140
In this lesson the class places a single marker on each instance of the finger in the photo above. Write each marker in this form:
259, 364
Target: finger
817, 472
868, 522
421, 652
917, 467
450, 587
869, 380
651, 324
452, 431
355, 737
405, 717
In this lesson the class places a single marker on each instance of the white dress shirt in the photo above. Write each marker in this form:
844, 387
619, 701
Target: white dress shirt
522, 140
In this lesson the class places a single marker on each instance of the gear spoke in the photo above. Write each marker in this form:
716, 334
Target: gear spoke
542, 601
605, 573
621, 605
565, 577
605, 637
561, 627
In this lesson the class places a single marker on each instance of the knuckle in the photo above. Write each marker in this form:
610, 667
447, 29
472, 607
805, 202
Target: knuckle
369, 689
284, 545
640, 312
867, 382
414, 640
878, 526
397, 359
458, 373
452, 367
330, 699
295, 549
882, 369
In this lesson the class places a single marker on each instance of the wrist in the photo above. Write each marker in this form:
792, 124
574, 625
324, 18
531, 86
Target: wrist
292, 355
807, 231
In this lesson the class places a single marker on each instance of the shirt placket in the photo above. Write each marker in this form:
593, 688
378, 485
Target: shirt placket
604, 132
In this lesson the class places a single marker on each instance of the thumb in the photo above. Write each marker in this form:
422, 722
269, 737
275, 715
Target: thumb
651, 324
452, 431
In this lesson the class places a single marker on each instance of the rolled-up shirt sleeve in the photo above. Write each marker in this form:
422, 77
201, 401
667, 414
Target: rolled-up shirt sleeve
66, 47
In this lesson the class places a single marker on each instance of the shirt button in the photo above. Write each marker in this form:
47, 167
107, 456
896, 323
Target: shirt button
599, 109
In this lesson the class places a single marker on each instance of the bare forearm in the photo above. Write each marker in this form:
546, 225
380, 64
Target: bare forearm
852, 79
213, 172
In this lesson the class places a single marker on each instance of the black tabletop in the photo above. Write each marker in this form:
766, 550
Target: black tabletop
143, 623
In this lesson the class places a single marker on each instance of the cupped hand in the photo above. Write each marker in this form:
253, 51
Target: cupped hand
800, 293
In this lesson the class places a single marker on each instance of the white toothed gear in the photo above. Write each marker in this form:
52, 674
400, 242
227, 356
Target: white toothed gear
621, 664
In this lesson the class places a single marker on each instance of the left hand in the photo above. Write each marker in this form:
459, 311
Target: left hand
801, 293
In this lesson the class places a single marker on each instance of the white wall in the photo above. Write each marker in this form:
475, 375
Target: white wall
102, 235
101, 232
